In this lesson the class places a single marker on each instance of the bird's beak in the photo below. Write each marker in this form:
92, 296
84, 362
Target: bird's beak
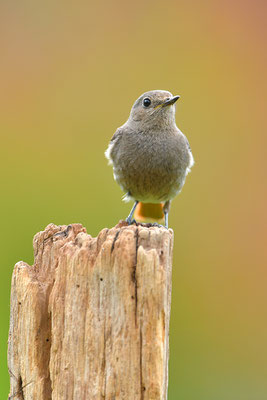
170, 101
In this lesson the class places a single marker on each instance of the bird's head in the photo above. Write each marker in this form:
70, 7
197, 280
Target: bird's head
156, 107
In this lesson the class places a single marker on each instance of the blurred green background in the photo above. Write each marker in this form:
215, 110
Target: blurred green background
70, 72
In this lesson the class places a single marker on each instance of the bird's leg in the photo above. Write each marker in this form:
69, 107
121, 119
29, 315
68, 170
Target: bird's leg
166, 210
129, 218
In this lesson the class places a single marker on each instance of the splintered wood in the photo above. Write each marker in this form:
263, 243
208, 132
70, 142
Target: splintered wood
90, 319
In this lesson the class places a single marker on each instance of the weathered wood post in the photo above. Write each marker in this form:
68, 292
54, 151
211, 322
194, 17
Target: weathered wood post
90, 319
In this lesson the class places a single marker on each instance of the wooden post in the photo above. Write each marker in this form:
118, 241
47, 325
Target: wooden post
90, 319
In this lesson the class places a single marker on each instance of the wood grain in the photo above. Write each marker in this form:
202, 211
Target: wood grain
90, 318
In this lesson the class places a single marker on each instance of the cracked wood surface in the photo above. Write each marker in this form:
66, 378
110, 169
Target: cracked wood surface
90, 318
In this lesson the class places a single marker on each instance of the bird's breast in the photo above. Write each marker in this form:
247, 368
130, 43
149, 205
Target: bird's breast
151, 167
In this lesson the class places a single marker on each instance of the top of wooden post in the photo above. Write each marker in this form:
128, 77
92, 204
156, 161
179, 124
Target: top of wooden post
90, 318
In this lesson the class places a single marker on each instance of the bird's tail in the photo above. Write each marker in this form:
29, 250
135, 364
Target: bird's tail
145, 212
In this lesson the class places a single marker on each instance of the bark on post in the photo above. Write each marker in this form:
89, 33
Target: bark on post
90, 319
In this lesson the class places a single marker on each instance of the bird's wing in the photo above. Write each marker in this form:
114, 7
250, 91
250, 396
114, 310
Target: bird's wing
188, 145
116, 135
115, 138
191, 158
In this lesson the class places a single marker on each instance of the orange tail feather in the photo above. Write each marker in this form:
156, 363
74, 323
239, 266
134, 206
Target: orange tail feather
148, 211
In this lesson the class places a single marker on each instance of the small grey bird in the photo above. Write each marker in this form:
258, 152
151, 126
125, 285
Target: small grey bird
149, 154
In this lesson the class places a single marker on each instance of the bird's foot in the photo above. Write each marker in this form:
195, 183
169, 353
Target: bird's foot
148, 224
158, 225
131, 221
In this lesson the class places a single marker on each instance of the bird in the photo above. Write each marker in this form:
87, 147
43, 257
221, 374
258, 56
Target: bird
150, 156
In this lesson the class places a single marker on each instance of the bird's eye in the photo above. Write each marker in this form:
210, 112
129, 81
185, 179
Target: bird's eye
146, 102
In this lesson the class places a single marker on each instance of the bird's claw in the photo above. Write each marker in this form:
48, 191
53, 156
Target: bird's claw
158, 225
131, 221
